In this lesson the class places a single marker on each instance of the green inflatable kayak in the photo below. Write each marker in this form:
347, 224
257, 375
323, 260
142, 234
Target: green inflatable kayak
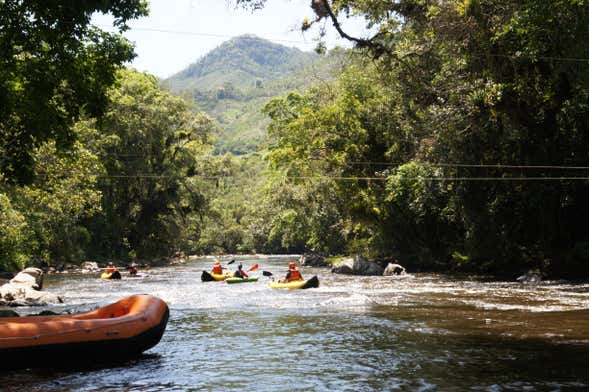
241, 280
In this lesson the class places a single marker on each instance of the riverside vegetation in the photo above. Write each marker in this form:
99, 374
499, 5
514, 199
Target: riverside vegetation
455, 138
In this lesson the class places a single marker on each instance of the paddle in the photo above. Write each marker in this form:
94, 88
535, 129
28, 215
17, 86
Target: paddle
253, 267
267, 273
231, 262
206, 277
312, 283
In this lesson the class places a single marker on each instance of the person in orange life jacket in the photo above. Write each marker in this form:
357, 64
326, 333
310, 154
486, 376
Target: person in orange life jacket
217, 269
240, 273
110, 268
293, 273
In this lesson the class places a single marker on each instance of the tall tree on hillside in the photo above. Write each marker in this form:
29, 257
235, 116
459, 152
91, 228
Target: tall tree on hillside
53, 66
153, 145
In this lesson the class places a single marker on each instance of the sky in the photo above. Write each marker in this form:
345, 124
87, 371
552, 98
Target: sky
178, 32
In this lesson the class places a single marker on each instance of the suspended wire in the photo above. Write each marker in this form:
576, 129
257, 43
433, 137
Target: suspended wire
216, 35
515, 57
434, 164
198, 34
445, 178
493, 166
352, 178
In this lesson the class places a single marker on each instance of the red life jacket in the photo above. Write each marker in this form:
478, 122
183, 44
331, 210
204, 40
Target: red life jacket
217, 269
295, 274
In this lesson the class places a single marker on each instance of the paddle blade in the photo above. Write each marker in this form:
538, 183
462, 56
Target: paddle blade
311, 283
266, 273
253, 267
231, 262
206, 277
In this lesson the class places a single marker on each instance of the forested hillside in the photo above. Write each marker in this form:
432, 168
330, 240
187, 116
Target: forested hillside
234, 81
240, 62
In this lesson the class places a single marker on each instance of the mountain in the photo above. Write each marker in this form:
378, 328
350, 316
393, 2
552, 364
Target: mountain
233, 82
241, 61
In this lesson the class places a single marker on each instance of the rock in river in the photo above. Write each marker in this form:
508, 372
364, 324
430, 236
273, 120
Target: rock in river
358, 266
394, 269
25, 290
313, 260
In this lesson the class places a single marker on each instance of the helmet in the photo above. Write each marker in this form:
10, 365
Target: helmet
292, 265
217, 261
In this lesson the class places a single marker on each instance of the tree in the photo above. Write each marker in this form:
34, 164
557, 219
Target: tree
492, 94
15, 237
152, 147
43, 221
54, 66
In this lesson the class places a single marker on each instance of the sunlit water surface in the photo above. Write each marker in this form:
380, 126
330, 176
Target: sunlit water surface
422, 332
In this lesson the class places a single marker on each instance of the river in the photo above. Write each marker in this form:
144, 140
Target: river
423, 332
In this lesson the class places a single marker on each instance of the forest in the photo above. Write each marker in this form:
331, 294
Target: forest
455, 138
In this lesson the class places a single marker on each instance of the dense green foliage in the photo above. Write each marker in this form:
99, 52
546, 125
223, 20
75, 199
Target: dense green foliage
456, 137
54, 66
151, 146
42, 221
130, 187
414, 141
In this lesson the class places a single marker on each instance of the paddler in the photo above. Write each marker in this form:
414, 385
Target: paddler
217, 269
240, 273
110, 268
293, 273
133, 269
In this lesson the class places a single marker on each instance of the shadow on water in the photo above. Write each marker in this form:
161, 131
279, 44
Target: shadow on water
68, 375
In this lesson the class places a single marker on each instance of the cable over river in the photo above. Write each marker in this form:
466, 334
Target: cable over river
421, 332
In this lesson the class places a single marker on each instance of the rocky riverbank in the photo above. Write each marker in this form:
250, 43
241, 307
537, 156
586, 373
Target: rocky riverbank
25, 289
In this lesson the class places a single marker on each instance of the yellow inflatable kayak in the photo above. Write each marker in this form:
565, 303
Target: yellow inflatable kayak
210, 277
297, 284
111, 275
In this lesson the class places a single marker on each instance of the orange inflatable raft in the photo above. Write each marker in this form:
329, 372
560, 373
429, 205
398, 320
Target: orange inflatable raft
123, 329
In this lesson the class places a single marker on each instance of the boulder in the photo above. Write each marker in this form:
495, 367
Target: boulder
25, 290
394, 269
313, 260
32, 277
89, 266
358, 266
532, 276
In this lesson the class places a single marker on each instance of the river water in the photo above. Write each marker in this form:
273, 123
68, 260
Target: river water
423, 332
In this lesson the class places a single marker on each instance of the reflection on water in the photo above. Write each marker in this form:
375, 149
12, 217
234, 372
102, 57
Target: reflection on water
423, 332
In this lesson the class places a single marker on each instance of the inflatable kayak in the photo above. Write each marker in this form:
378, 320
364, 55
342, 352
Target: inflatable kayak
241, 280
117, 331
210, 277
111, 275
297, 284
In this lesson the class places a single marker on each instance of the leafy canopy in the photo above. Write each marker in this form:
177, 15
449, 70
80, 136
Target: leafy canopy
54, 66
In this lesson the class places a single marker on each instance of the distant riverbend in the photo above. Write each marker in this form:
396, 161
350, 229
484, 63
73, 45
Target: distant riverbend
422, 332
